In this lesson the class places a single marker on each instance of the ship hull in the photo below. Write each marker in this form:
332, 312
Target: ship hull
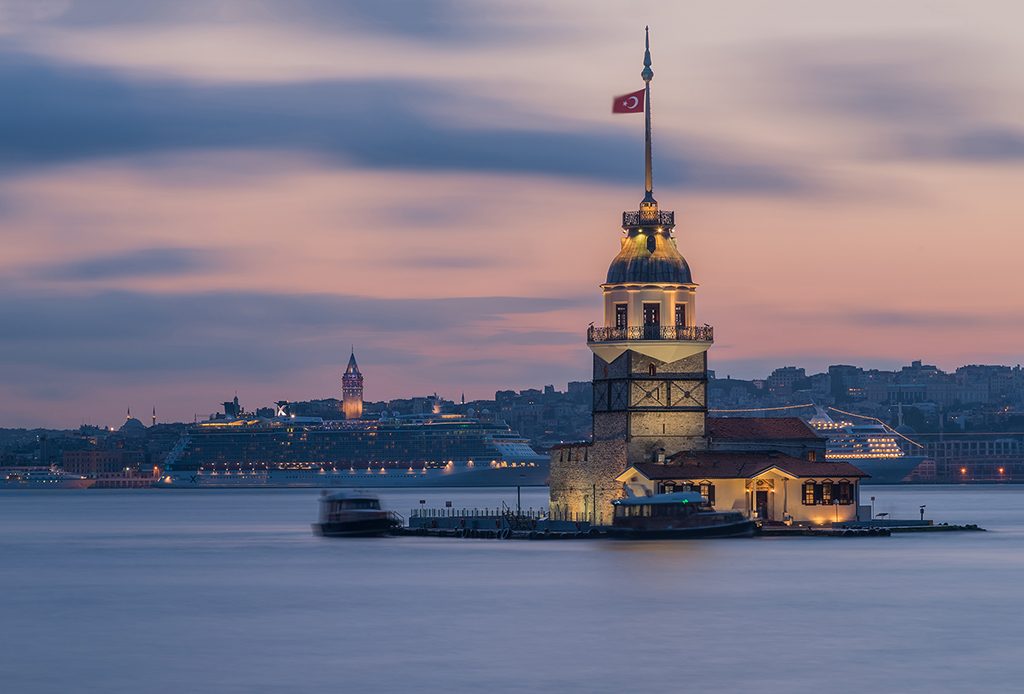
43, 484
885, 470
536, 476
374, 527
743, 528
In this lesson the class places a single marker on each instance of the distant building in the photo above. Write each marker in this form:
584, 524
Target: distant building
782, 381
111, 468
352, 389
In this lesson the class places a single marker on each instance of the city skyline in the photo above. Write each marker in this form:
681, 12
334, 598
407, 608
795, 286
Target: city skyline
176, 230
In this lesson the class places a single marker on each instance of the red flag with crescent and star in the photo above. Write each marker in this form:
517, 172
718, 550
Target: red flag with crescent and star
629, 103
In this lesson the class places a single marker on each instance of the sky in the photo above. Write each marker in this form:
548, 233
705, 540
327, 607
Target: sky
203, 198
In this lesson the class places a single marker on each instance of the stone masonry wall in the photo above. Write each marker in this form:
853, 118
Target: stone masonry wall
583, 480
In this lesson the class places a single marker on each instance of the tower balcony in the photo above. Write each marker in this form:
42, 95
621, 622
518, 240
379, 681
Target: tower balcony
634, 219
666, 343
686, 333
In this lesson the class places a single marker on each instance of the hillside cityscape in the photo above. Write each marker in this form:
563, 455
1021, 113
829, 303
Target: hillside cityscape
974, 415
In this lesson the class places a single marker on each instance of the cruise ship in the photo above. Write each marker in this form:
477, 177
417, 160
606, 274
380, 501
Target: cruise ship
873, 448
42, 478
413, 451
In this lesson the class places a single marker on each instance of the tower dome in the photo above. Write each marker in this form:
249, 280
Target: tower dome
649, 255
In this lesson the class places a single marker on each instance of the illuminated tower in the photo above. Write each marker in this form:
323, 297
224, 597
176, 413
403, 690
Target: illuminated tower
352, 389
650, 356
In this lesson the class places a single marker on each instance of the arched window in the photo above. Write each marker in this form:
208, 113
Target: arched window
651, 369
707, 490
809, 492
844, 492
826, 492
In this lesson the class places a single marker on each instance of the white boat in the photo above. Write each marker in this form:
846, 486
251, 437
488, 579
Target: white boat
42, 478
874, 448
438, 451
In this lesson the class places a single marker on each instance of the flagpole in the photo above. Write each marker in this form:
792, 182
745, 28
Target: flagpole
648, 75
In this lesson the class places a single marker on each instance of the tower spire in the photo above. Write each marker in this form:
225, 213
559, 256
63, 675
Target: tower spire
647, 74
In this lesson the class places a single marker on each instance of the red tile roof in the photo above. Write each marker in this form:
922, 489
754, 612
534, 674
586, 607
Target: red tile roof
741, 464
760, 428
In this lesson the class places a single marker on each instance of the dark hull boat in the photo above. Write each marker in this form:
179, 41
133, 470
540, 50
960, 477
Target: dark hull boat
675, 516
348, 514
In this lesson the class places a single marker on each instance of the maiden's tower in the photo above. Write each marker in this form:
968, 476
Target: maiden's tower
651, 431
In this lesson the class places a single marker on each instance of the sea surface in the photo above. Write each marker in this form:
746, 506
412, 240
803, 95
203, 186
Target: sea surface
229, 591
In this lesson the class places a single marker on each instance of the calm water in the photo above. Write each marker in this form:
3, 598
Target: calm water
183, 591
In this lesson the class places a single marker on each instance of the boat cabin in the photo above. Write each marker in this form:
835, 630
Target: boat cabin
677, 515
335, 506
674, 505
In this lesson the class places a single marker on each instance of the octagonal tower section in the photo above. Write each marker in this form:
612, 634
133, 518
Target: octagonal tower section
650, 356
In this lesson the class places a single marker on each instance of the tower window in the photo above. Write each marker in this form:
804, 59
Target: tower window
621, 316
652, 321
652, 369
680, 314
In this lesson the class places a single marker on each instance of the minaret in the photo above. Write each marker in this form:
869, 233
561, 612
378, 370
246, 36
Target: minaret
352, 389
650, 358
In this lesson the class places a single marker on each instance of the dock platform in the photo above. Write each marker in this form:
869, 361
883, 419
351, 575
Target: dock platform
506, 523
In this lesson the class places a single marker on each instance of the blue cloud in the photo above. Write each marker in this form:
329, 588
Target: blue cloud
127, 331
138, 263
67, 114
448, 21
905, 101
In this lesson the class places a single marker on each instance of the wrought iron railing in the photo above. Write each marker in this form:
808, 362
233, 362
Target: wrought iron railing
692, 333
662, 218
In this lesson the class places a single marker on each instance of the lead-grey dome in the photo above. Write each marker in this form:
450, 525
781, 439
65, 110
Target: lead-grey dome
649, 256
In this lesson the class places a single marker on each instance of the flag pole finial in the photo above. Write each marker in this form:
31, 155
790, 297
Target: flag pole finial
648, 74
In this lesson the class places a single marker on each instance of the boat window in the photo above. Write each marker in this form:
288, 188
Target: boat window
355, 504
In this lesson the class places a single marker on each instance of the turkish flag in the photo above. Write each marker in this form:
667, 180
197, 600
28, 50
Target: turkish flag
629, 103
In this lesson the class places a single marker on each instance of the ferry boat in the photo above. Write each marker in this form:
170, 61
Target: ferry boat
675, 516
289, 451
354, 514
42, 478
873, 448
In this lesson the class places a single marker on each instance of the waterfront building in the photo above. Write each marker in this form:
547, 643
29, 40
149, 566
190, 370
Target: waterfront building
651, 429
352, 389
111, 467
768, 486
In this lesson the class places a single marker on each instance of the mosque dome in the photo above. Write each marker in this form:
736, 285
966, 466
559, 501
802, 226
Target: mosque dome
132, 427
649, 256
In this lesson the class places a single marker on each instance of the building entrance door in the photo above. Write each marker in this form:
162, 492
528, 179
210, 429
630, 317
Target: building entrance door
761, 505
652, 321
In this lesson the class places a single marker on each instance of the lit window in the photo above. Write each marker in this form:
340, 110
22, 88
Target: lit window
621, 316
809, 493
